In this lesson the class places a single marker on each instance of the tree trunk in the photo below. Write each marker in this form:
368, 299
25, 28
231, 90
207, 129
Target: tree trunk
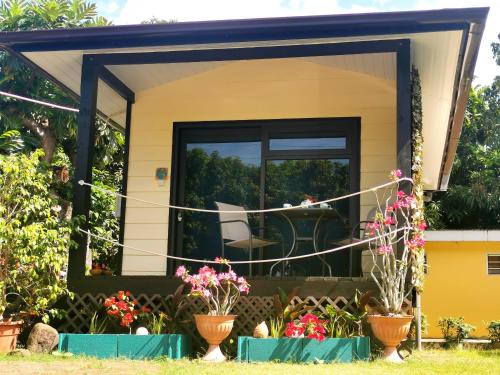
42, 130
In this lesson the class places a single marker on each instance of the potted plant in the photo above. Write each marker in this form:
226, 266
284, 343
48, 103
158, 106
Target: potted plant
219, 292
394, 237
154, 341
301, 334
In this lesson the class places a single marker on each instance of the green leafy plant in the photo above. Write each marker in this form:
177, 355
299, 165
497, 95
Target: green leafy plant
175, 306
97, 325
454, 330
34, 240
285, 311
342, 323
157, 323
494, 331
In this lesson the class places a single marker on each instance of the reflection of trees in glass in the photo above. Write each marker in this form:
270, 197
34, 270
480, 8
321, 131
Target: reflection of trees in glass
210, 178
287, 181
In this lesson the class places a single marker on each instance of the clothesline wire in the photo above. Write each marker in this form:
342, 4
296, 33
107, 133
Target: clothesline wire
165, 205
40, 102
295, 257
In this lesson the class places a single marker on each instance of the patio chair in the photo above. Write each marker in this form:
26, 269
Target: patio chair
358, 234
237, 233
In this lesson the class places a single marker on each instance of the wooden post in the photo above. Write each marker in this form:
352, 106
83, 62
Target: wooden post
403, 77
83, 168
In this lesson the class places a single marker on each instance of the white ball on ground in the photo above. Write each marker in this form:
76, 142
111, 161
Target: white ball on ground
142, 331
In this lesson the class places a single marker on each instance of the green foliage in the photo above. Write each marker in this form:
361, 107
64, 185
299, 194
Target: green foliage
473, 197
10, 142
175, 305
34, 241
342, 323
494, 331
157, 323
103, 222
55, 130
285, 310
97, 325
454, 330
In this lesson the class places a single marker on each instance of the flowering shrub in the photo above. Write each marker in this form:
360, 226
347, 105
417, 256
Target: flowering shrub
124, 309
309, 325
219, 291
392, 225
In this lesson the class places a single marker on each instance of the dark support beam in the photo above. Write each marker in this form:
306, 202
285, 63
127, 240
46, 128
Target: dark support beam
116, 84
249, 53
123, 206
83, 168
403, 124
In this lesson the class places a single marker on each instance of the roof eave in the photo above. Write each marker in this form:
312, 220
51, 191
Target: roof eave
460, 101
241, 30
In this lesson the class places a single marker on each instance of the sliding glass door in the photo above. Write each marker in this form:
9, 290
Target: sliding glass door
265, 164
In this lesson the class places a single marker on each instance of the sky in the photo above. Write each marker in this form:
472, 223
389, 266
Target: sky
122, 12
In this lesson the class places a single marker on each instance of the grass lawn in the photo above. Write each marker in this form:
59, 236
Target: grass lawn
426, 362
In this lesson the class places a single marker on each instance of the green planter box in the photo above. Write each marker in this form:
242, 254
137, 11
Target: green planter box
303, 350
129, 346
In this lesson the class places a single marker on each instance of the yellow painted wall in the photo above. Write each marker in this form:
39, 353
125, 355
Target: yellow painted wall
242, 90
458, 284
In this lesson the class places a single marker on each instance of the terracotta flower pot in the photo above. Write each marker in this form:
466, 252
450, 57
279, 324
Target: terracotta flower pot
214, 329
8, 335
390, 330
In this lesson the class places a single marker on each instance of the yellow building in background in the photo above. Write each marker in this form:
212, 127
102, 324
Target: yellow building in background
463, 278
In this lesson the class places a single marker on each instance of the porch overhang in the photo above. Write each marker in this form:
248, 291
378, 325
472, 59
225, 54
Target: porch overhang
107, 68
449, 37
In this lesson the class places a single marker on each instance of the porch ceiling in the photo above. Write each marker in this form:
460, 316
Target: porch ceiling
444, 47
435, 54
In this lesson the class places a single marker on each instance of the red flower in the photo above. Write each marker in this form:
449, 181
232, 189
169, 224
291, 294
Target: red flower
309, 318
145, 309
293, 330
316, 336
121, 295
108, 302
122, 305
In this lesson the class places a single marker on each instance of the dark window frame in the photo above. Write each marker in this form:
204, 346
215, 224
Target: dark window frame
488, 268
262, 130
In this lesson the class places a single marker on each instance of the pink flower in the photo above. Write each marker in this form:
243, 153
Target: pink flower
181, 271
415, 243
422, 226
396, 174
384, 249
389, 220
244, 288
401, 194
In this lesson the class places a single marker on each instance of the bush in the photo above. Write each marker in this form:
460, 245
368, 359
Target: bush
494, 331
34, 241
455, 330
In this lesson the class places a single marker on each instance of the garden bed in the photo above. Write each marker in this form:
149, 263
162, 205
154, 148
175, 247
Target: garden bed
129, 346
343, 350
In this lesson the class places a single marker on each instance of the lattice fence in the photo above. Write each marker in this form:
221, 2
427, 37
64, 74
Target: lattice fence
251, 310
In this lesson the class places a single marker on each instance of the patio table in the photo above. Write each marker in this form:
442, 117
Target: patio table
315, 214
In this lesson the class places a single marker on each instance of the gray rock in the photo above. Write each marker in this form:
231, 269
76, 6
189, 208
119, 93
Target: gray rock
42, 339
20, 352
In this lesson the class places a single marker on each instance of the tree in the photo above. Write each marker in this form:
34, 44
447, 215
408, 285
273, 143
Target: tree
473, 197
34, 240
40, 126
55, 130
